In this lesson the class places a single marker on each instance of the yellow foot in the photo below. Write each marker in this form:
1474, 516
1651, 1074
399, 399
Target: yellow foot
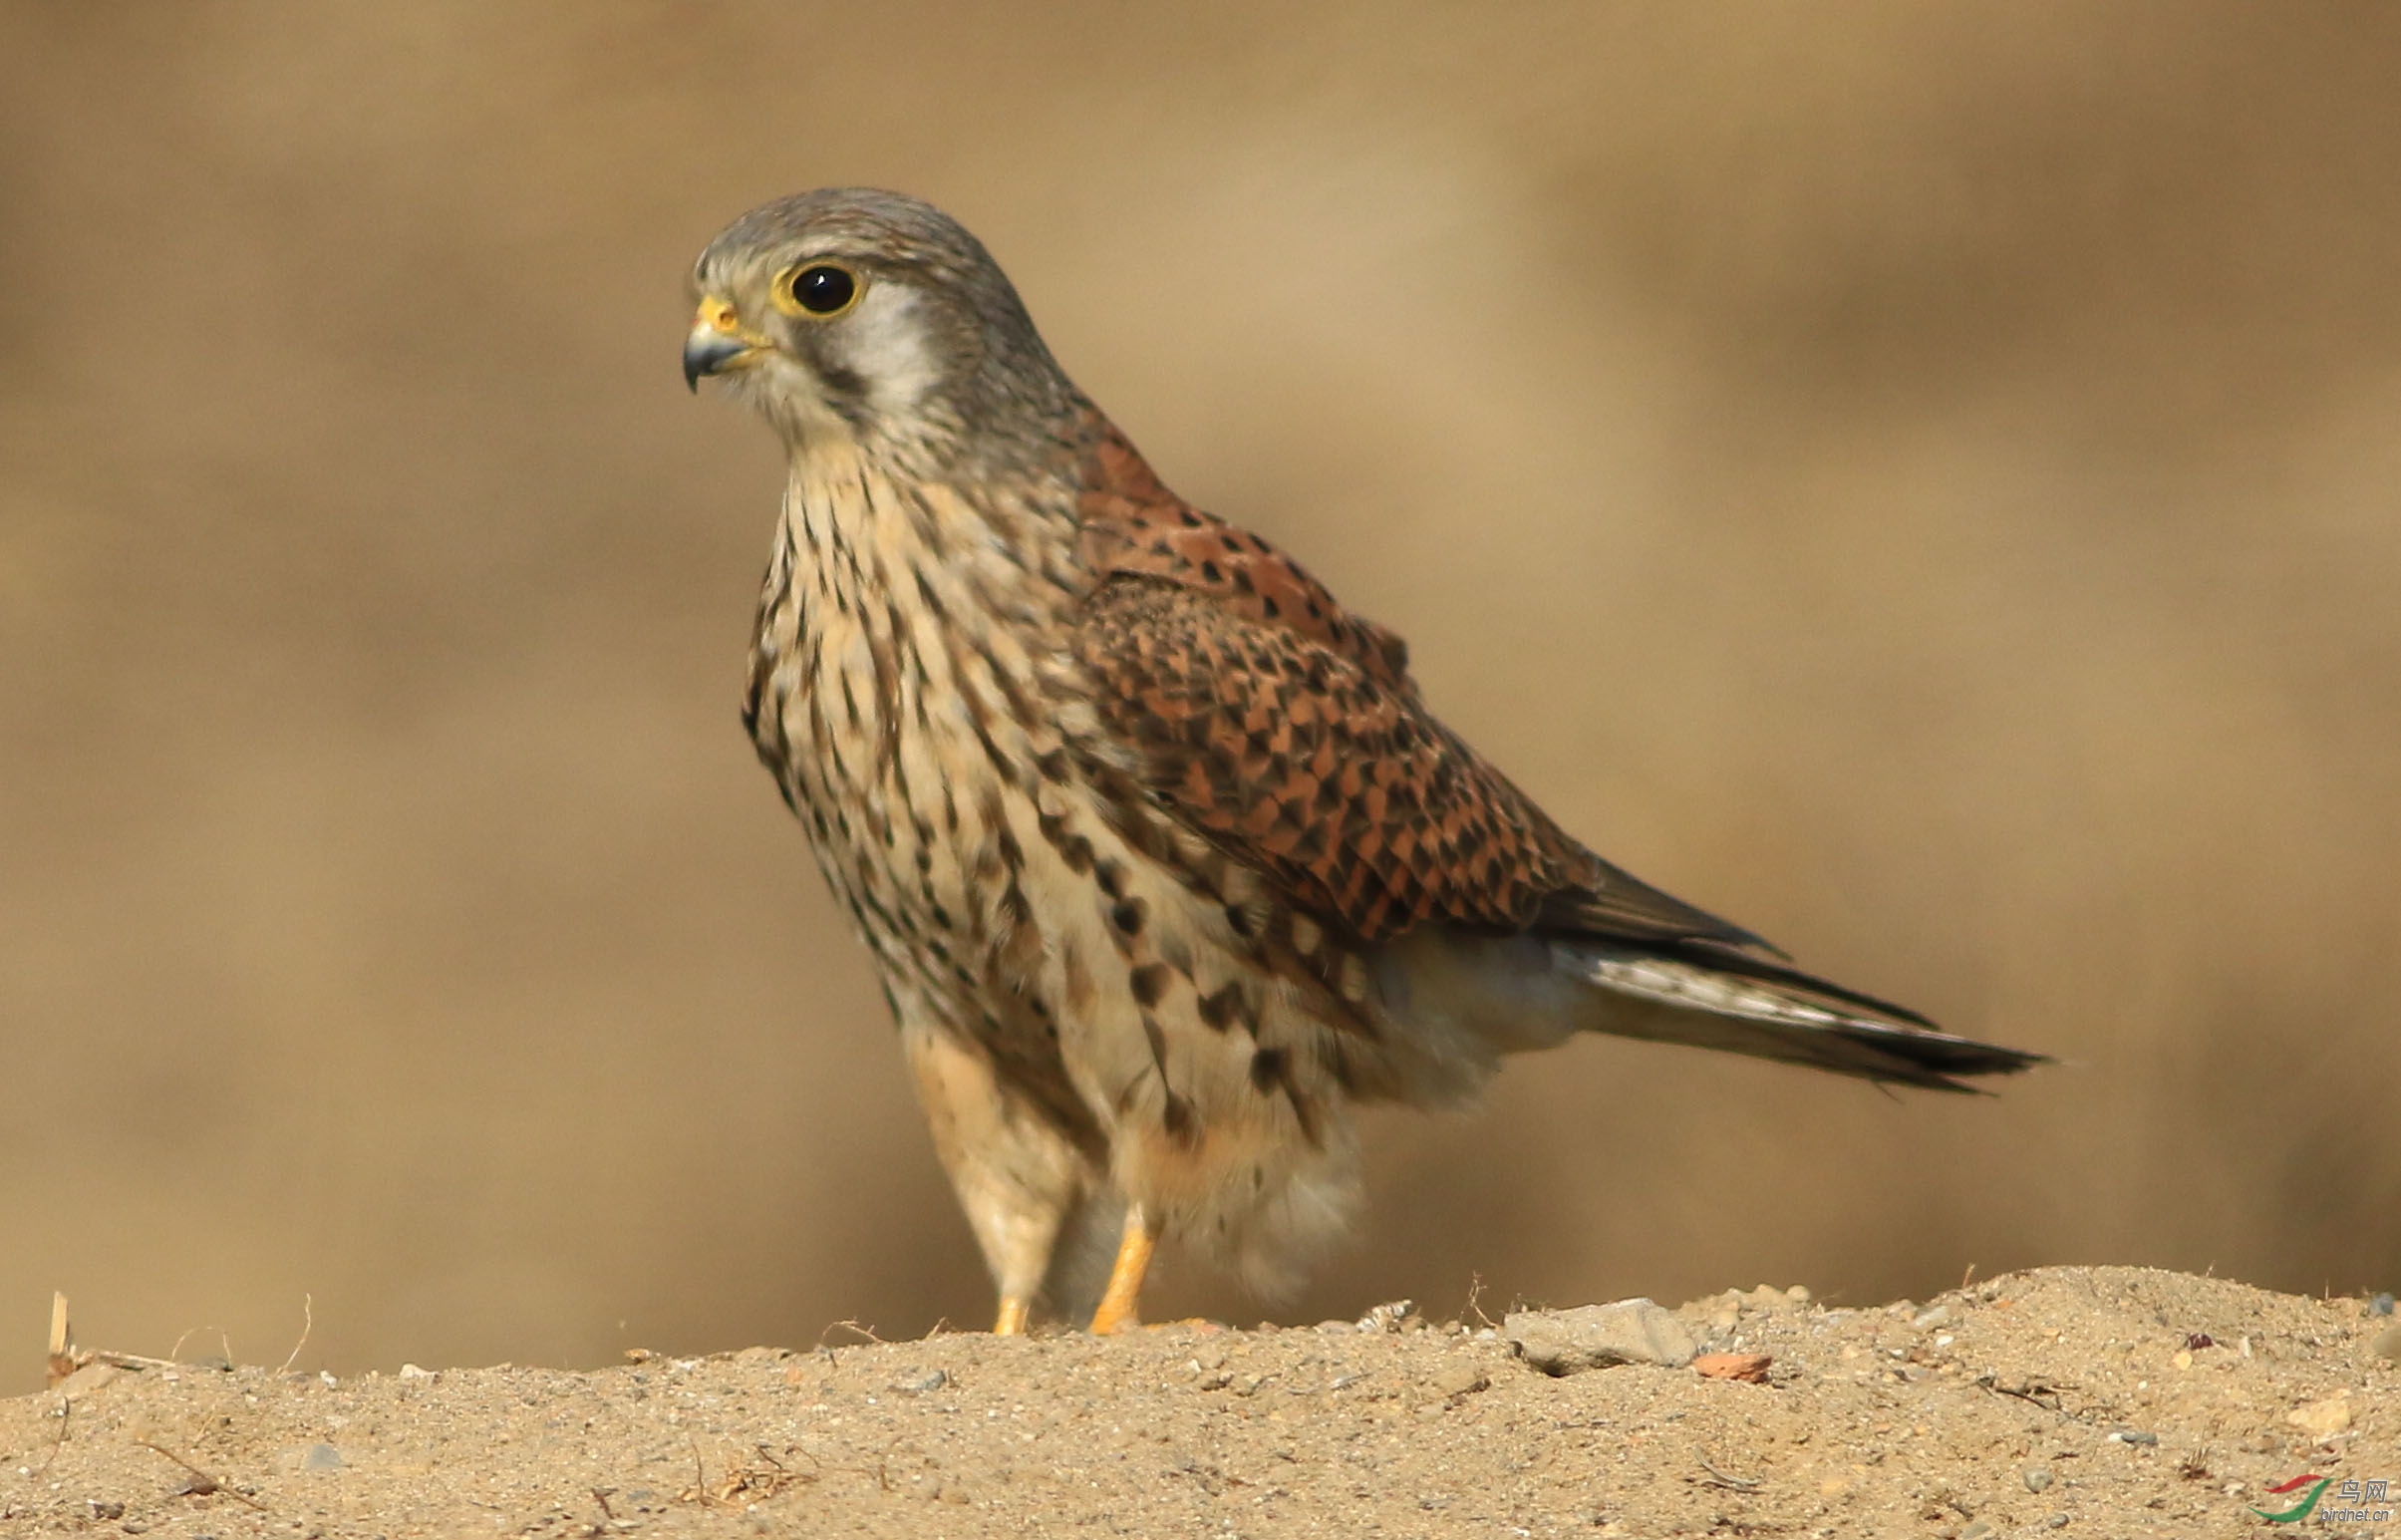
1012, 1318
1121, 1307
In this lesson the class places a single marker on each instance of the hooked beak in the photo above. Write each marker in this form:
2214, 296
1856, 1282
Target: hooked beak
718, 342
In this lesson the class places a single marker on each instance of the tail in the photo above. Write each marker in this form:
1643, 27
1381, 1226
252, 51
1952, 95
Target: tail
1710, 996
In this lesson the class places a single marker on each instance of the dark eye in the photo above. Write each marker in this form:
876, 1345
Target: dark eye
819, 289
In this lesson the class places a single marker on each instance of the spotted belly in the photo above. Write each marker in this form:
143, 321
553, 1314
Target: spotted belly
1012, 903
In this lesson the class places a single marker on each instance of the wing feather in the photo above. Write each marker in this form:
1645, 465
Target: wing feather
1287, 731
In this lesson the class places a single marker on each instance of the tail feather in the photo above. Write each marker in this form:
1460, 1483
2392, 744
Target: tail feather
1711, 997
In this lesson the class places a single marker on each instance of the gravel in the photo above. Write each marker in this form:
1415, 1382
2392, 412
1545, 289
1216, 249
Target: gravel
2020, 1424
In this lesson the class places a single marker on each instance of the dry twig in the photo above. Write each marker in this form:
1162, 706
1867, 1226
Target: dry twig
64, 1360
175, 1354
66, 1413
1730, 1483
308, 1323
203, 1484
743, 1483
1476, 1292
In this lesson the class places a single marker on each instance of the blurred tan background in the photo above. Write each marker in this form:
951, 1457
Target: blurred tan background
1921, 479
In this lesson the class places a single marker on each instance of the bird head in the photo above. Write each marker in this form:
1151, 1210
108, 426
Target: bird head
854, 314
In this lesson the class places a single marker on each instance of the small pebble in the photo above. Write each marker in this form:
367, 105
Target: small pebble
2055, 1521
2322, 1419
1567, 1342
2382, 1305
1461, 1380
1337, 1328
2387, 1344
2037, 1478
1926, 1320
1975, 1531
85, 1379
2133, 1435
1743, 1368
932, 1381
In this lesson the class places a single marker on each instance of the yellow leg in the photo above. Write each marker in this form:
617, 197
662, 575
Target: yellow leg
1013, 1318
1121, 1306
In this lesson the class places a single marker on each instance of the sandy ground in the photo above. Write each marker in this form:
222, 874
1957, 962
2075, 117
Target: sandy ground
2089, 1400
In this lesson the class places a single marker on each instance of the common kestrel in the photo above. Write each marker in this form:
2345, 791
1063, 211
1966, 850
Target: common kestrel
1164, 863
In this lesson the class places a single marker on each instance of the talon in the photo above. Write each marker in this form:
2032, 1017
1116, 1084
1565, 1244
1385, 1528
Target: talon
1120, 1308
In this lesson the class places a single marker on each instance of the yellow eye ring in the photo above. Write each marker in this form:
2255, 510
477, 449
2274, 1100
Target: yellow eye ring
818, 290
